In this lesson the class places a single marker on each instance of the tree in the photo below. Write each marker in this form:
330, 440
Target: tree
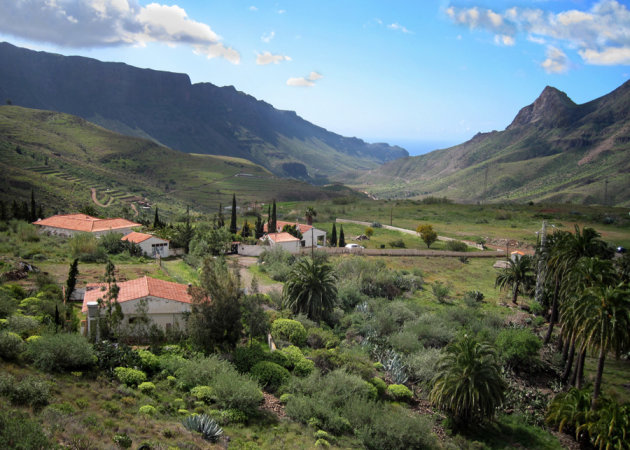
220, 220
33, 211
311, 289
255, 316
468, 384
273, 223
293, 230
601, 319
157, 223
518, 276
342, 238
184, 234
245, 231
113, 312
233, 228
3, 211
71, 282
369, 232
215, 320
213, 241
427, 234
310, 213
333, 236
259, 228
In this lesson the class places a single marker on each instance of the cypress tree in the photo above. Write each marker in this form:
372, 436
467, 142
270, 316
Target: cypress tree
245, 232
233, 228
57, 318
71, 282
259, 228
24, 213
15, 210
273, 226
156, 219
342, 239
3, 211
33, 212
220, 219
333, 236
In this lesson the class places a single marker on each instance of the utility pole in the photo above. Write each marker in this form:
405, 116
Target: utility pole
540, 275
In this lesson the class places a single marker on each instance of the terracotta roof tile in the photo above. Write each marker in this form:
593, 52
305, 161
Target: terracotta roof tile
282, 237
280, 225
83, 222
139, 288
136, 237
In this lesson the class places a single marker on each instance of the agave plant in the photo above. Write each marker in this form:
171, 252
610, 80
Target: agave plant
209, 429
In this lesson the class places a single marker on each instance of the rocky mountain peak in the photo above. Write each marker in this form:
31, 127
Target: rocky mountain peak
552, 108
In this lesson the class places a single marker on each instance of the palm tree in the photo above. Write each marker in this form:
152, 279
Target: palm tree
311, 289
309, 214
518, 276
602, 321
468, 383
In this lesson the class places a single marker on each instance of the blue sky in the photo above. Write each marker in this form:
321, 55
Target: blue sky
434, 72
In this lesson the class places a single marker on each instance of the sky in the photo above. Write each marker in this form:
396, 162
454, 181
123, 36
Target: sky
423, 74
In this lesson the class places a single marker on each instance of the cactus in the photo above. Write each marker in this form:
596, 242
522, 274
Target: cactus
209, 429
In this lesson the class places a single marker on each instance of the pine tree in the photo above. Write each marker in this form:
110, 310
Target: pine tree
33, 212
233, 228
333, 236
273, 227
156, 219
71, 282
342, 239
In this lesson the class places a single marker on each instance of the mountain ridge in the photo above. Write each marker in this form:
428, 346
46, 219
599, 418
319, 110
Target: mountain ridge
195, 118
554, 149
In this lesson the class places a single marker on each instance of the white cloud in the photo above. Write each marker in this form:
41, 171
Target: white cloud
601, 35
268, 58
556, 62
282, 11
103, 23
305, 81
253, 8
267, 37
399, 27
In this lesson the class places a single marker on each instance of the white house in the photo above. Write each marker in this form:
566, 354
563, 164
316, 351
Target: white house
70, 224
151, 245
167, 303
284, 240
311, 236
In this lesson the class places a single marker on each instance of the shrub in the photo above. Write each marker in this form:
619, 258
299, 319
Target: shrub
30, 391
536, 308
84, 246
149, 362
441, 291
398, 243
518, 347
147, 410
246, 357
228, 416
293, 354
320, 338
304, 367
421, 364
129, 376
19, 431
61, 353
110, 355
289, 330
456, 246
270, 375
146, 388
122, 440
11, 345
209, 429
473, 298
399, 392
379, 384
203, 393
25, 326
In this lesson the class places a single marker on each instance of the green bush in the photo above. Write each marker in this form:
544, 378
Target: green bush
421, 365
30, 391
380, 385
8, 302
320, 338
270, 375
147, 410
129, 376
203, 393
294, 355
149, 362
456, 246
110, 355
536, 308
61, 353
19, 431
398, 243
84, 246
146, 387
11, 345
289, 331
518, 347
303, 368
245, 358
399, 392
25, 326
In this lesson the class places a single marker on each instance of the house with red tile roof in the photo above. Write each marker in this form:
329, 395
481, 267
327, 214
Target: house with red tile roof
70, 224
283, 240
151, 246
166, 303
311, 236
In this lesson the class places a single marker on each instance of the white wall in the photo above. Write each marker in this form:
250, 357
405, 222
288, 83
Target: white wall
148, 249
161, 311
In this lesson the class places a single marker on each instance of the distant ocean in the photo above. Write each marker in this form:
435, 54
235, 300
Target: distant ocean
416, 148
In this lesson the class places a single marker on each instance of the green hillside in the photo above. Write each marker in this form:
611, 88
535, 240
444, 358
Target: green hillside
64, 157
554, 151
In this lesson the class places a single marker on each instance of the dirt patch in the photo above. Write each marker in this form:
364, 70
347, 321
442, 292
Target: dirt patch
273, 405
244, 262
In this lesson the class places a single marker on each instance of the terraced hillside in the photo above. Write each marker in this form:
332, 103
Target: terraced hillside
71, 162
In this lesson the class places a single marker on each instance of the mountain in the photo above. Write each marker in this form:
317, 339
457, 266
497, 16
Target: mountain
194, 118
65, 158
554, 150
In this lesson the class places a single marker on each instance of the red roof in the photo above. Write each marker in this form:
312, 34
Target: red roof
136, 237
139, 288
83, 222
280, 225
282, 237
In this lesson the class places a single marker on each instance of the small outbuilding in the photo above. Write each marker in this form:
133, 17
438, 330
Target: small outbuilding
151, 246
311, 236
283, 240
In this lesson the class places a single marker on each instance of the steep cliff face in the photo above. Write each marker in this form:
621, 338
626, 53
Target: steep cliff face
553, 108
194, 118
